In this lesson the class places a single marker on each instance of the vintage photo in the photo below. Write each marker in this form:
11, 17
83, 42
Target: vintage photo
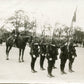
42, 41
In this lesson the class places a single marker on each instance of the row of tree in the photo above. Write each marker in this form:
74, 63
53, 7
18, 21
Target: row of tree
20, 21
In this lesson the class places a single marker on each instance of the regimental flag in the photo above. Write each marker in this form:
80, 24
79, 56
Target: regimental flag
74, 16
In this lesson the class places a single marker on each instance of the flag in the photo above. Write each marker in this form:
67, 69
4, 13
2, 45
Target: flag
71, 32
74, 16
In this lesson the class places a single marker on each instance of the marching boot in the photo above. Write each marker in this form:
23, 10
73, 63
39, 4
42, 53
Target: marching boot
50, 75
33, 71
70, 68
54, 65
62, 70
32, 66
42, 68
49, 72
42, 62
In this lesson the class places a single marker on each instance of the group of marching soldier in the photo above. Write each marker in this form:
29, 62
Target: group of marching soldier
49, 51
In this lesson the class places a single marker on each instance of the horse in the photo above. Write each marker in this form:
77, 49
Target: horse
20, 42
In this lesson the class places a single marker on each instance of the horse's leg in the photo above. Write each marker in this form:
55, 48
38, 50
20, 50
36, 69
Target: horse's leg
22, 54
7, 51
19, 55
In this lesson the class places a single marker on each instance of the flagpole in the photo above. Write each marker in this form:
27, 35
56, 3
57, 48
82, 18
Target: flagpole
71, 27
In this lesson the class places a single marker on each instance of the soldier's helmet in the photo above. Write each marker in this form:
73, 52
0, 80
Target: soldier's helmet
64, 43
52, 43
35, 44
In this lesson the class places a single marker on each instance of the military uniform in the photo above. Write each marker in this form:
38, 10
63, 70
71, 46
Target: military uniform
42, 55
54, 53
50, 58
72, 55
34, 52
63, 58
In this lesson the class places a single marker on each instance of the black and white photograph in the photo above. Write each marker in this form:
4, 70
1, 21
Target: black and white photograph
42, 41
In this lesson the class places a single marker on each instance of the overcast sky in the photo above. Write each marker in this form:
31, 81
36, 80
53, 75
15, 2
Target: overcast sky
47, 11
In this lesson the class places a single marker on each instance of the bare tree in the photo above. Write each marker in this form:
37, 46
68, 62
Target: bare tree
20, 19
58, 30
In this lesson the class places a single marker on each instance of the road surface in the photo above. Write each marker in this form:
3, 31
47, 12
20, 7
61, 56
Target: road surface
11, 71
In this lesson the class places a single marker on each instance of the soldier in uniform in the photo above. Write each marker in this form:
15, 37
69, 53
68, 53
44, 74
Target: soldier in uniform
55, 52
63, 57
42, 54
50, 58
34, 52
72, 55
